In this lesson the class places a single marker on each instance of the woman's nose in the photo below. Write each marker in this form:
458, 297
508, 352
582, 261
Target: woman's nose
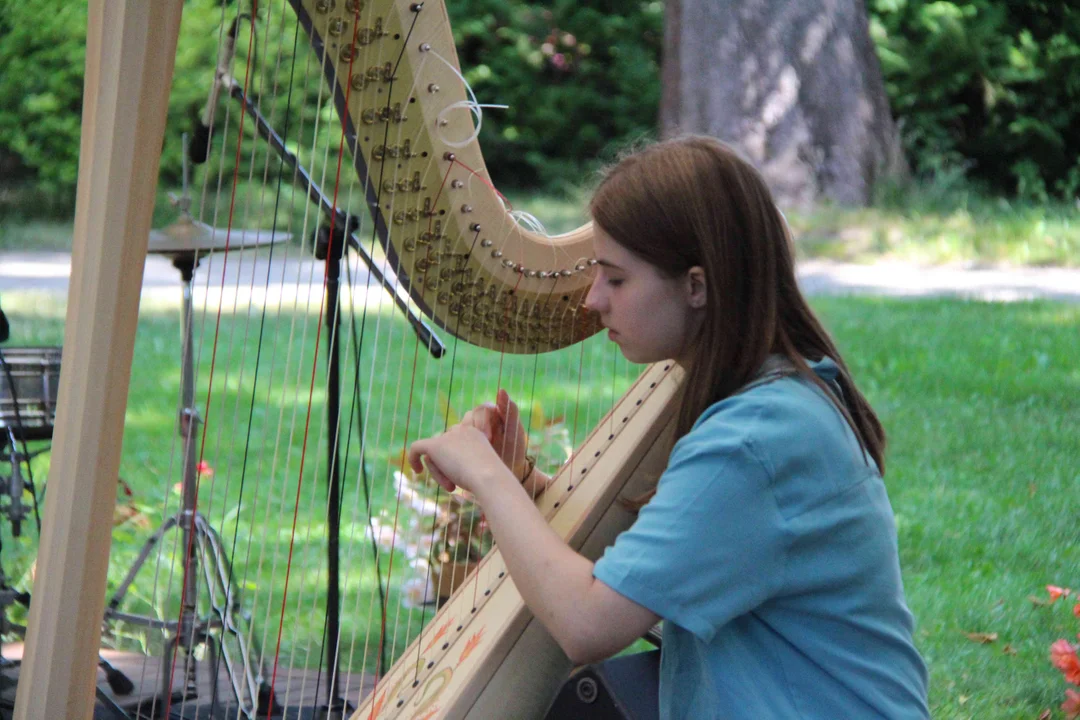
594, 299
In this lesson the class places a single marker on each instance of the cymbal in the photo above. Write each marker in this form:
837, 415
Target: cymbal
187, 236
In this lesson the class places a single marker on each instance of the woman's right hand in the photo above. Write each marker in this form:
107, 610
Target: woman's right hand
501, 424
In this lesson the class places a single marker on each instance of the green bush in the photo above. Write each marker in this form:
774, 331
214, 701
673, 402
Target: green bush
578, 79
42, 51
984, 91
986, 88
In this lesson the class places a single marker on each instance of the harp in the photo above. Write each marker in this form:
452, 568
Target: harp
403, 177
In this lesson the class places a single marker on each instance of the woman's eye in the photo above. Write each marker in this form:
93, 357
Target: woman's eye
615, 282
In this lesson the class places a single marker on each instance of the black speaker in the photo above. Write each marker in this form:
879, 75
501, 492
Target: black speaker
623, 688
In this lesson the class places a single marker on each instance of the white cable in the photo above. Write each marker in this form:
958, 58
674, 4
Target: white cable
529, 221
475, 107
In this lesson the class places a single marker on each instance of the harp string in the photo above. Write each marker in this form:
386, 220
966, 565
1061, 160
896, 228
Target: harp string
383, 621
452, 380
379, 187
330, 257
202, 441
262, 324
270, 380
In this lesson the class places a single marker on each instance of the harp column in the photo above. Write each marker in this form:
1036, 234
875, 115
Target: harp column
130, 53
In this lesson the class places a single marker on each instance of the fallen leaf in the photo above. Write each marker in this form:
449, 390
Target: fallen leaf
963, 699
1045, 714
982, 637
1031, 489
1037, 601
1008, 649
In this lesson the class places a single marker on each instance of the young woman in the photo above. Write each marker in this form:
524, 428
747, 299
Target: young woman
768, 546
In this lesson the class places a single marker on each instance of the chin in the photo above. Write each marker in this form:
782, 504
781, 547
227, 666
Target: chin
639, 357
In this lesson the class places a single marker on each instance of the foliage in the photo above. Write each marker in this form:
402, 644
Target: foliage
983, 90
42, 50
986, 89
577, 77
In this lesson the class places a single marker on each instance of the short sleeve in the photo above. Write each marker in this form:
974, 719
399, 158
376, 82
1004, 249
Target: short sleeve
709, 546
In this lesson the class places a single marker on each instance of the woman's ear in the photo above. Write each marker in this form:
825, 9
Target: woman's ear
695, 277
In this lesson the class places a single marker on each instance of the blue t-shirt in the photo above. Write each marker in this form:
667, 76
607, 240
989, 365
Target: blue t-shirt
770, 551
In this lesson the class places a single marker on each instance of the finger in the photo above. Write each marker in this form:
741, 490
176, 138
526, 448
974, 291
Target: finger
415, 451
446, 483
481, 419
508, 409
502, 402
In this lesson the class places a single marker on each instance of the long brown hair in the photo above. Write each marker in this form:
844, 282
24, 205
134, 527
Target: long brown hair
693, 201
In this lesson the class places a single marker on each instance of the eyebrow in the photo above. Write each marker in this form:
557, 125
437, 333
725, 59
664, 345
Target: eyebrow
607, 264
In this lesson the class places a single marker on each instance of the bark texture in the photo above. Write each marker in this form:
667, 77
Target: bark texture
793, 84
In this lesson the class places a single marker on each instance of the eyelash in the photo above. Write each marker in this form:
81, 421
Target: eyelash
615, 282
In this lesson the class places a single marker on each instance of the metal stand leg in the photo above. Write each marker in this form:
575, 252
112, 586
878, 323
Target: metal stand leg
202, 551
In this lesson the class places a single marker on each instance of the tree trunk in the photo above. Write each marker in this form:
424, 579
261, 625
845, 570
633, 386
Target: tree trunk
795, 85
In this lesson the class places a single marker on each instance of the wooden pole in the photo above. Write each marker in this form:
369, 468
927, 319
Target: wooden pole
130, 53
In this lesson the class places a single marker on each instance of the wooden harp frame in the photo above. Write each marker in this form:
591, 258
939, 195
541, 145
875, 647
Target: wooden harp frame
130, 54
484, 655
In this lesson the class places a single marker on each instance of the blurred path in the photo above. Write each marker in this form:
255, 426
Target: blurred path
49, 272
825, 277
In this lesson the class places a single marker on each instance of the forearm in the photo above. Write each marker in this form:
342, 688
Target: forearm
553, 579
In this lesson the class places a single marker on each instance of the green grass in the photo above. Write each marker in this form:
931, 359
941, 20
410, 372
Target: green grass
933, 226
258, 463
980, 404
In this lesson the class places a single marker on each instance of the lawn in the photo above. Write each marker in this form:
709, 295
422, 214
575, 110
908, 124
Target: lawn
262, 466
979, 399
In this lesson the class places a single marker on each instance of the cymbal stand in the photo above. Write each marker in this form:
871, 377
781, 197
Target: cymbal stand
203, 551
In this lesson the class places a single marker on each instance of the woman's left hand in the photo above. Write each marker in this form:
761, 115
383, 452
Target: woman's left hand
460, 457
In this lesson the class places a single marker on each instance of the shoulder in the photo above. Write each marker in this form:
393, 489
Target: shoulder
769, 414
793, 430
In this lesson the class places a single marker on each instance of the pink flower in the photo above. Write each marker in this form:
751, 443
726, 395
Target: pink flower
559, 61
204, 469
1063, 656
1071, 706
1056, 592
1076, 609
